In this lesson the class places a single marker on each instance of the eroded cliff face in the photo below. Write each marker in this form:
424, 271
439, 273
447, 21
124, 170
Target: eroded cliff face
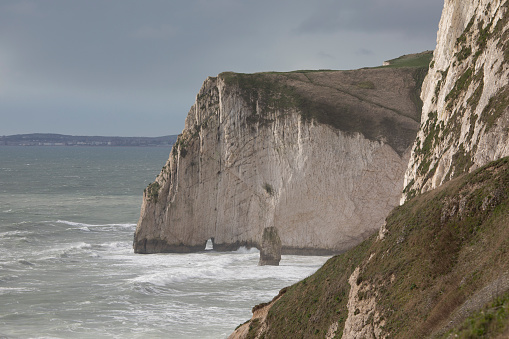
318, 158
465, 117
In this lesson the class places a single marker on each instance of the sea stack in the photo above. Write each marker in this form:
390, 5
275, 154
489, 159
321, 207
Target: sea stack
270, 251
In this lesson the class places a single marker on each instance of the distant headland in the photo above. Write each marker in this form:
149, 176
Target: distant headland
48, 139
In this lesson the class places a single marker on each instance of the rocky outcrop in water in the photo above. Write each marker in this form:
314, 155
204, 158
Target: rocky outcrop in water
317, 156
465, 117
270, 251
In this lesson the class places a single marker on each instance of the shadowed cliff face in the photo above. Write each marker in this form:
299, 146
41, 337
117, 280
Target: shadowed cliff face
317, 156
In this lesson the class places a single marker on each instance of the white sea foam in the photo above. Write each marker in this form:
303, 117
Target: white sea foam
167, 278
168, 270
209, 246
14, 290
115, 249
64, 251
14, 233
79, 224
165, 270
96, 227
117, 245
245, 250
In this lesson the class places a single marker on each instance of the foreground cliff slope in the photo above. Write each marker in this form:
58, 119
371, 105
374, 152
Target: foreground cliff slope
440, 257
306, 162
465, 117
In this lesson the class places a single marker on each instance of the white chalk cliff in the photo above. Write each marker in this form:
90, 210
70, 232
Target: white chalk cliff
318, 158
465, 119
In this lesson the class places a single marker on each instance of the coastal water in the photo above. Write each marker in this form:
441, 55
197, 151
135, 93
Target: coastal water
67, 268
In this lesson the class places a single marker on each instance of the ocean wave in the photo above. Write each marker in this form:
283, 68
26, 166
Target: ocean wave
180, 278
87, 250
14, 290
25, 262
178, 275
19, 234
116, 247
67, 250
87, 227
172, 270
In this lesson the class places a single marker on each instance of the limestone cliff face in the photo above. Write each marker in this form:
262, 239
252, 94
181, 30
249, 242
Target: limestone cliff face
465, 117
317, 156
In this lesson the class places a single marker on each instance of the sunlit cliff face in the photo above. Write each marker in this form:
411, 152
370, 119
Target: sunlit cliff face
465, 118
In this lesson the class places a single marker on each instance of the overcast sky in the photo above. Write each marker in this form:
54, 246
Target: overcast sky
133, 68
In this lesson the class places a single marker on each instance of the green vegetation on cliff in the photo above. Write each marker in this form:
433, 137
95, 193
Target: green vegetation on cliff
419, 60
308, 308
152, 191
443, 256
491, 321
358, 101
471, 98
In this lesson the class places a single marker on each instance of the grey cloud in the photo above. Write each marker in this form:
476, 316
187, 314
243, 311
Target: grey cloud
160, 32
408, 17
325, 55
364, 51
126, 55
25, 8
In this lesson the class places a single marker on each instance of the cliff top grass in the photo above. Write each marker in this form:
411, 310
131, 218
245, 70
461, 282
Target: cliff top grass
370, 101
419, 60
443, 257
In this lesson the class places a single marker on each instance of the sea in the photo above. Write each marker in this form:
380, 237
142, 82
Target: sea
67, 266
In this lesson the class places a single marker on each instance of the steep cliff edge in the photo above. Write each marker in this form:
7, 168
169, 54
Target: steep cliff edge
318, 156
440, 257
465, 116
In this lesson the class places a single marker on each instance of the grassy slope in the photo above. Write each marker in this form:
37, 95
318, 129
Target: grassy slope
442, 248
491, 321
411, 60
